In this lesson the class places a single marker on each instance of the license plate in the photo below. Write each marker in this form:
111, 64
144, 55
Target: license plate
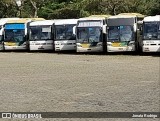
120, 48
115, 44
41, 47
10, 44
85, 45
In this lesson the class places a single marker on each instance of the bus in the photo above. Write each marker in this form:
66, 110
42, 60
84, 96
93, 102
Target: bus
151, 34
2, 23
41, 35
64, 36
123, 32
16, 34
91, 33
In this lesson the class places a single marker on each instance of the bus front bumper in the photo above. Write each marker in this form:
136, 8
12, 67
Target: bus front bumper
155, 48
65, 45
15, 47
92, 49
120, 49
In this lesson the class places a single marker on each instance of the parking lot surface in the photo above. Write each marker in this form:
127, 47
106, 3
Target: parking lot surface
49, 82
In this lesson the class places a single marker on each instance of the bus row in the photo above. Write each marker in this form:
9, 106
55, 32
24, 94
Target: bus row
125, 32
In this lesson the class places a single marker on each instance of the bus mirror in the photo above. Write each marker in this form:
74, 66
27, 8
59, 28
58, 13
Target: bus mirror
74, 30
105, 29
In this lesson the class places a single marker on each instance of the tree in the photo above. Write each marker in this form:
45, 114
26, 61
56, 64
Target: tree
113, 7
34, 6
51, 9
151, 7
8, 8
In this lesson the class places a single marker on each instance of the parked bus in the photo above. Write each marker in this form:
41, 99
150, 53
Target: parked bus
2, 23
123, 32
16, 34
65, 39
151, 34
91, 33
41, 35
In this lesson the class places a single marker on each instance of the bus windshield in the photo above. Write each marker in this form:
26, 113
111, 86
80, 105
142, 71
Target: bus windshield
40, 33
64, 32
15, 35
89, 34
113, 33
120, 33
151, 31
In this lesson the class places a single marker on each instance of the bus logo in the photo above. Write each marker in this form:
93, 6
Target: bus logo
6, 115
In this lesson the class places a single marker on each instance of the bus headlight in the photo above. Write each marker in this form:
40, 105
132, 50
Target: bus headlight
131, 44
145, 44
62, 43
24, 43
100, 44
79, 45
109, 44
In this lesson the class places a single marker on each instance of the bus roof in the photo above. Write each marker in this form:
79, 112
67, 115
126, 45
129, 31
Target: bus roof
25, 20
95, 17
99, 16
35, 19
128, 15
65, 21
19, 21
4, 20
152, 18
44, 22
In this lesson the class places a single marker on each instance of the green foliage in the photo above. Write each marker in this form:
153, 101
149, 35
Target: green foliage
64, 13
52, 9
151, 7
7, 8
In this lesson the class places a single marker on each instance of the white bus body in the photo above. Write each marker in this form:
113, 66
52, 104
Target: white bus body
90, 33
123, 32
151, 34
65, 39
41, 35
